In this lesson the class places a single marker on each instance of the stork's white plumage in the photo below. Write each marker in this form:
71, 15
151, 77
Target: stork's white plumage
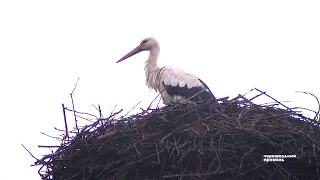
174, 85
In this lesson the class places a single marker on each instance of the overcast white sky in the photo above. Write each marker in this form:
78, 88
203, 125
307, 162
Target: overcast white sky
232, 45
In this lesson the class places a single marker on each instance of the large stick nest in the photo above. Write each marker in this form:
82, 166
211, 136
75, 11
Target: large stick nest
203, 141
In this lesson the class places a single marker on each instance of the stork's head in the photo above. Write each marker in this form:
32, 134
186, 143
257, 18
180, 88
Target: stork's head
146, 44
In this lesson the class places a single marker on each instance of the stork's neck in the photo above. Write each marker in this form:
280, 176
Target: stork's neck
151, 63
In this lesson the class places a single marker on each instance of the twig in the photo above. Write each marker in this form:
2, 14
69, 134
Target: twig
165, 137
98, 109
247, 100
154, 100
302, 108
74, 112
114, 114
50, 136
65, 121
317, 114
95, 107
113, 108
42, 146
257, 96
248, 92
189, 98
223, 99
82, 113
101, 117
273, 103
158, 103
108, 134
132, 108
59, 129
135, 147
75, 86
186, 175
275, 100
29, 152
100, 112
88, 119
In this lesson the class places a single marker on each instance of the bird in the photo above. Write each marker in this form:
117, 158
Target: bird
174, 85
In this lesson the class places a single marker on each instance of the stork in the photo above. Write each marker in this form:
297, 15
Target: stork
174, 85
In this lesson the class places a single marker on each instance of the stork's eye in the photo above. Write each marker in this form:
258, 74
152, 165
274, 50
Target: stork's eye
144, 41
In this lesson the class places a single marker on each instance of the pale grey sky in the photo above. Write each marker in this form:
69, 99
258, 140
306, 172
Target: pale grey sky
232, 45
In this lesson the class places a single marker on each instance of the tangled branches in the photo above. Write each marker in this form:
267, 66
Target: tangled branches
203, 141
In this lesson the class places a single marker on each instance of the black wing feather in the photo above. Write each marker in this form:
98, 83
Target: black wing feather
210, 92
189, 92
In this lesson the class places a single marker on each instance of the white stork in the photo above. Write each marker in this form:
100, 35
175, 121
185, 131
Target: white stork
174, 85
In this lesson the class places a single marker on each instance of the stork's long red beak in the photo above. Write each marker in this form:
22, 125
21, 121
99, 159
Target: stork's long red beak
131, 53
